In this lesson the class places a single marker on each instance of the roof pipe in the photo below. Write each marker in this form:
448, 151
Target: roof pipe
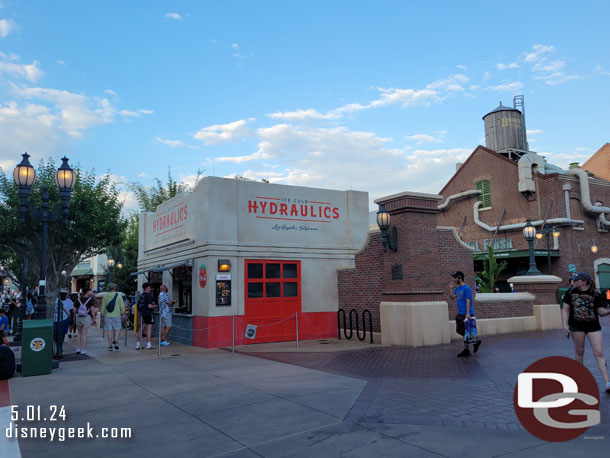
472, 192
507, 227
585, 194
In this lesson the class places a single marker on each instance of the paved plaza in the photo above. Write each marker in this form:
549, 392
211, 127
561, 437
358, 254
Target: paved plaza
327, 398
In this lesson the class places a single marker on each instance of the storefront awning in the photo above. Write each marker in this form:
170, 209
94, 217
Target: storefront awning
143, 272
81, 271
186, 262
517, 254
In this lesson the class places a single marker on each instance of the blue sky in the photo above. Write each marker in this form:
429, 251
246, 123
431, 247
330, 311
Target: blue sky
380, 96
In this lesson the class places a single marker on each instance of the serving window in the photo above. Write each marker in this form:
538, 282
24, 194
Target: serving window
183, 282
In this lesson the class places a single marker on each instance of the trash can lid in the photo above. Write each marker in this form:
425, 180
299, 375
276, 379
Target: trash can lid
37, 324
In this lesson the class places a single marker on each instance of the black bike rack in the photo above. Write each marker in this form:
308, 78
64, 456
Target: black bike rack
353, 317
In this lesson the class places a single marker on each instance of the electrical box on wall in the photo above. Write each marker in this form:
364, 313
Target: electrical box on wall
223, 290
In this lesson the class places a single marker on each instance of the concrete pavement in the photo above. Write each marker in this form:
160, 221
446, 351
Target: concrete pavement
354, 401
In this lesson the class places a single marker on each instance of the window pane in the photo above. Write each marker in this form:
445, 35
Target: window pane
274, 290
255, 270
273, 271
255, 290
291, 289
290, 271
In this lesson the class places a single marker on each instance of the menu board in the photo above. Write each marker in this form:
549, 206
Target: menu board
223, 290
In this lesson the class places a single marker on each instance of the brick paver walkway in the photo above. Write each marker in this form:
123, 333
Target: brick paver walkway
431, 386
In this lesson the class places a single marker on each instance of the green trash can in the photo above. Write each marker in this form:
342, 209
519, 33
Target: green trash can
37, 347
560, 293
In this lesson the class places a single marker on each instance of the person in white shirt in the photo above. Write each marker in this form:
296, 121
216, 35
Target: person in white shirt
165, 311
61, 320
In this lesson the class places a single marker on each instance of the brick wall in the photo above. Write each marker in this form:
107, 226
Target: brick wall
453, 257
547, 203
361, 288
497, 309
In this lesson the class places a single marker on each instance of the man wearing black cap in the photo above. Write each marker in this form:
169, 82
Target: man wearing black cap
463, 294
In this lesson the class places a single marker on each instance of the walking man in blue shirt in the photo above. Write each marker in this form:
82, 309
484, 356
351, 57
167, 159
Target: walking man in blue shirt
463, 294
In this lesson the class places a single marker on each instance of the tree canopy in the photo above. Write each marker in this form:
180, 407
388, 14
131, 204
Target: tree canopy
149, 197
94, 223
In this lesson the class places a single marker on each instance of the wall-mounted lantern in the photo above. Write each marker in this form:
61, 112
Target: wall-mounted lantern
224, 265
383, 221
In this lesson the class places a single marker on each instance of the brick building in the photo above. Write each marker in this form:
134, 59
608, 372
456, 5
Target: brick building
492, 194
486, 202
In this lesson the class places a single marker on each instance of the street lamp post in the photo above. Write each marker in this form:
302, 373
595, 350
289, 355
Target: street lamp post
548, 231
110, 263
529, 232
24, 175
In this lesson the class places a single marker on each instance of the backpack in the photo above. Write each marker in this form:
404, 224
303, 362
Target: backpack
82, 308
110, 305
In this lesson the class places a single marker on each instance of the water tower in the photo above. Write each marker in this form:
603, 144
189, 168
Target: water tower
505, 129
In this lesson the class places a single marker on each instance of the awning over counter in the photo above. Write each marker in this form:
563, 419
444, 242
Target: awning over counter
186, 262
78, 272
517, 254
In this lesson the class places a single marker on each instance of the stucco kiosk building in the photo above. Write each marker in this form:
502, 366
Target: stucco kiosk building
235, 253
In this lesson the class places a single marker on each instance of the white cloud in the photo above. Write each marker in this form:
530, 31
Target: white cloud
74, 112
486, 76
173, 16
30, 72
462, 67
219, 133
246, 158
30, 127
457, 153
7, 165
61, 62
452, 83
6, 27
174, 143
303, 115
599, 69
563, 160
550, 67
511, 87
534, 132
551, 71
338, 158
235, 46
135, 114
558, 78
110, 91
501, 66
424, 138
538, 53
434, 92
189, 180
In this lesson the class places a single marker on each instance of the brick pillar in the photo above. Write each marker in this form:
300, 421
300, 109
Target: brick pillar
544, 288
413, 311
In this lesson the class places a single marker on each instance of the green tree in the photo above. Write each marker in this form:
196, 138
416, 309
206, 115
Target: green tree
149, 197
94, 223
127, 254
491, 271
